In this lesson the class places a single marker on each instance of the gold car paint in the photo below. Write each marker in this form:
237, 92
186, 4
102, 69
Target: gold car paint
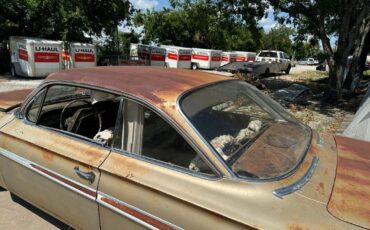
48, 179
195, 202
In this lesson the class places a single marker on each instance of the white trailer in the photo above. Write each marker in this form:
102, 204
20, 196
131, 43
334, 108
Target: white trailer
228, 57
245, 56
157, 56
205, 58
34, 57
82, 55
178, 57
141, 52
151, 55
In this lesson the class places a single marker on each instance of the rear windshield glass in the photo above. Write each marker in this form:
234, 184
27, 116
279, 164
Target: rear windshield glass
254, 135
268, 54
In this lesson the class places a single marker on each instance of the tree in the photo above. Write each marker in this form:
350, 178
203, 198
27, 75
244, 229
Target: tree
349, 20
278, 39
201, 23
61, 20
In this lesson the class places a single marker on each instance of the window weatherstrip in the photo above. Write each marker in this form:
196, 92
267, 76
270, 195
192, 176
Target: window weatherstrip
281, 192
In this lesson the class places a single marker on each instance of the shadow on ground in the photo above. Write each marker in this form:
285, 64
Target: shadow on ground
58, 224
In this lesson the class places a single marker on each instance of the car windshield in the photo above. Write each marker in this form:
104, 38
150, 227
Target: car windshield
268, 54
253, 134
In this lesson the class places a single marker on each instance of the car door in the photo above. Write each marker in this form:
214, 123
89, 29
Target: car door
53, 169
154, 179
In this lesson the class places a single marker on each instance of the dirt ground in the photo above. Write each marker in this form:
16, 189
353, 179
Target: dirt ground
312, 108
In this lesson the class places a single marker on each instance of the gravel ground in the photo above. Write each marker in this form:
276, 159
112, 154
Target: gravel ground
312, 108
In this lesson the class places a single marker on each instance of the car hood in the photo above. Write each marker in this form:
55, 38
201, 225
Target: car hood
350, 198
11, 99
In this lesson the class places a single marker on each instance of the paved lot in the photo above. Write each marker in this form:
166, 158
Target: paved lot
18, 214
7, 83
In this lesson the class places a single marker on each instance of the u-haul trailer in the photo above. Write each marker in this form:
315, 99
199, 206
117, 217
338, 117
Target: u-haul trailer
140, 51
153, 55
228, 57
245, 56
157, 56
178, 57
205, 58
34, 57
82, 55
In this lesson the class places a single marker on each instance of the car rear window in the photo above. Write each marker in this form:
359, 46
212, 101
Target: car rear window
254, 135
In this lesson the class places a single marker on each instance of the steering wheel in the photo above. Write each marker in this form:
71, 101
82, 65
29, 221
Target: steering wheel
63, 127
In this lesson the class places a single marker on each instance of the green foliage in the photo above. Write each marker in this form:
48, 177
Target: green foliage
119, 43
278, 39
201, 23
63, 19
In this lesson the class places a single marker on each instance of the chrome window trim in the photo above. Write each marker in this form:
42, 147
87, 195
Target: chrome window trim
166, 165
100, 195
28, 164
281, 192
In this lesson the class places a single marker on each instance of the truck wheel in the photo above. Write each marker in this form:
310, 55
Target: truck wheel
13, 72
287, 71
194, 66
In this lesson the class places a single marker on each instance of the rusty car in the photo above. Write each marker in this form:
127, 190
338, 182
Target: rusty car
149, 147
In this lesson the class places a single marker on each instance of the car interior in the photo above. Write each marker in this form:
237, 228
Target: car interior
93, 115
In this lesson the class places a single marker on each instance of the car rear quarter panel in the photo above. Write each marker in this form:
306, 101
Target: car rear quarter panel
350, 200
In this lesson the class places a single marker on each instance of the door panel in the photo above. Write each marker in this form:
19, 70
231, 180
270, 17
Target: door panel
39, 166
156, 197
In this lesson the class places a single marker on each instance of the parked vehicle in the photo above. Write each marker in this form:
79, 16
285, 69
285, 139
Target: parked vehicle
308, 61
178, 57
228, 57
205, 58
245, 56
281, 60
367, 64
132, 148
256, 69
34, 57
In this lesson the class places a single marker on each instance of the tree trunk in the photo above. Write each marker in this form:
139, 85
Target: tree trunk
356, 70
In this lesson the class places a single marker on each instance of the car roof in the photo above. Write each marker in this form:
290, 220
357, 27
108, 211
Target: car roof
156, 85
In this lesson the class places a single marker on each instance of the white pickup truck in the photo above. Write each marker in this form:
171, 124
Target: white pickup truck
275, 61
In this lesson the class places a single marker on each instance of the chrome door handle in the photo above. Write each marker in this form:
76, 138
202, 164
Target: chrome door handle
89, 176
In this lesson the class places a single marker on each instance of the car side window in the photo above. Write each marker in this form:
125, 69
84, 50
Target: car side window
88, 113
35, 106
147, 134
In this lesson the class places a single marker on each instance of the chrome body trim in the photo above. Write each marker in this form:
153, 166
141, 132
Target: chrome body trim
28, 164
102, 195
281, 192
319, 140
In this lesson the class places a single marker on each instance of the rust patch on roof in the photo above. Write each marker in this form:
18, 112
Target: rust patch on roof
155, 84
350, 198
